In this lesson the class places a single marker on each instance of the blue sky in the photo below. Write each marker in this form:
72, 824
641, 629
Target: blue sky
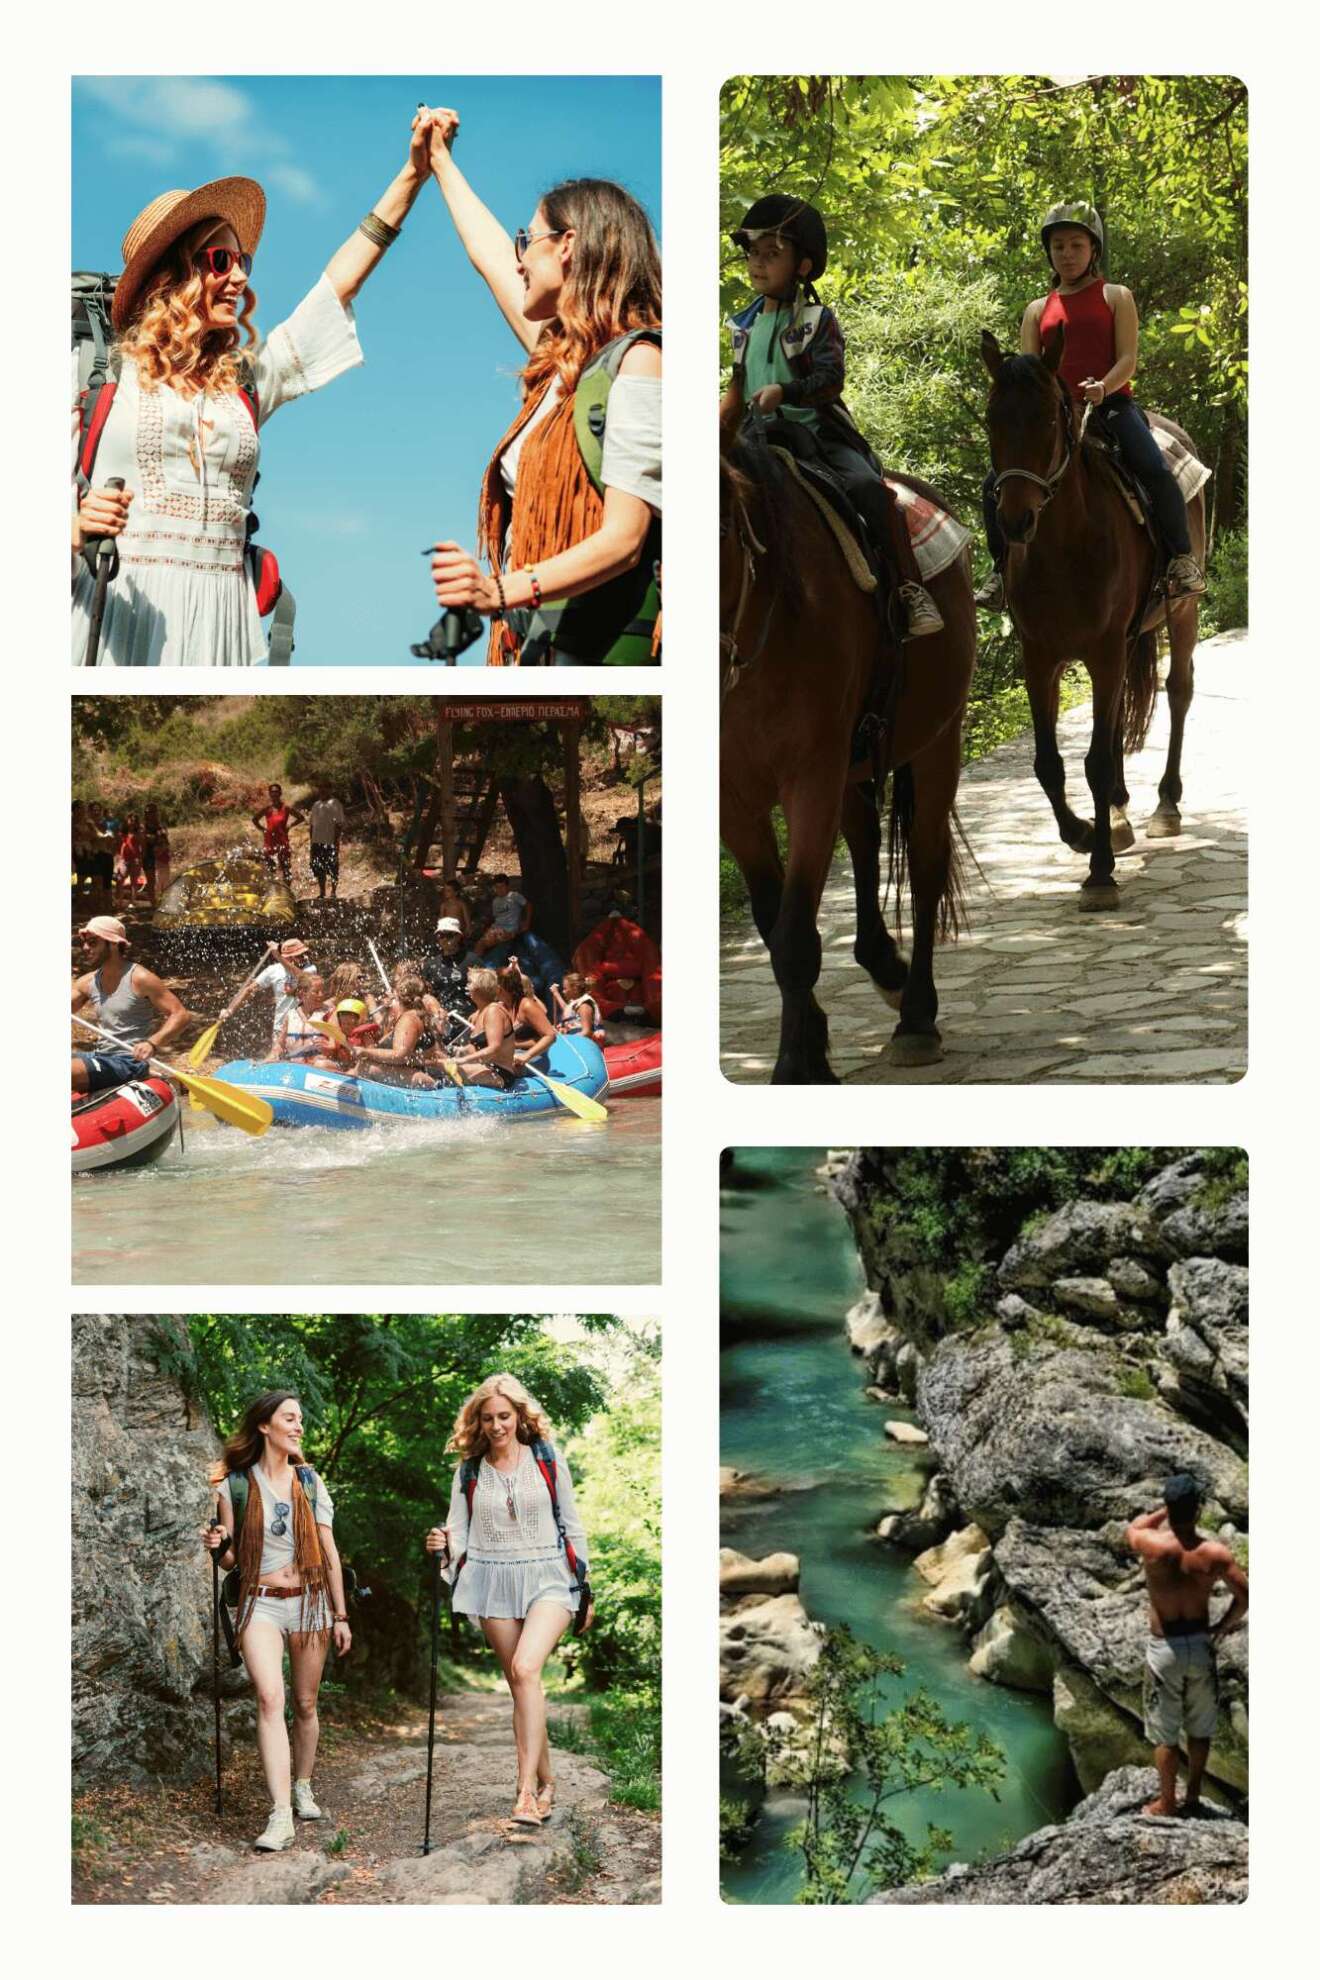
356, 478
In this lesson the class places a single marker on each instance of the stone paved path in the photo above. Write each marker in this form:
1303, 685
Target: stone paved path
1152, 992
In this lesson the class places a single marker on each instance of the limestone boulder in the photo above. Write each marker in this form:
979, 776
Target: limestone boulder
926, 1525
1107, 1852
768, 1647
1009, 1651
1195, 1219
777, 1574
1077, 1241
1047, 1433
1205, 1346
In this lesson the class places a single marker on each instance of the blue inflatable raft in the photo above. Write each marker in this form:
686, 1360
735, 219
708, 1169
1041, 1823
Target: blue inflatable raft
306, 1096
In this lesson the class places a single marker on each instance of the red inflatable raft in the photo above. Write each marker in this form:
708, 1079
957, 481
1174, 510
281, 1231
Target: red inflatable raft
125, 1126
634, 1064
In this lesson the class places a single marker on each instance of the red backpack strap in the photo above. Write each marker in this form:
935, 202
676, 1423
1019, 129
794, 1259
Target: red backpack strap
547, 1465
97, 401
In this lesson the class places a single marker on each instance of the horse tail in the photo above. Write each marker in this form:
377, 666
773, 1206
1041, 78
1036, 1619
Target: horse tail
953, 900
1140, 690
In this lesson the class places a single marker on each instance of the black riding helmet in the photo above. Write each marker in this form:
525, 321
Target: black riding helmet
793, 220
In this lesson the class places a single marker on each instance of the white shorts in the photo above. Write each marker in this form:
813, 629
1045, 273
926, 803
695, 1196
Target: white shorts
296, 1615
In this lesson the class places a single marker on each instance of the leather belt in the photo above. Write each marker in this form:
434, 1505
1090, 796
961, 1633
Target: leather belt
276, 1594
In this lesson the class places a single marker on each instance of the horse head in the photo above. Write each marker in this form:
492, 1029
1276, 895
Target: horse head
1029, 418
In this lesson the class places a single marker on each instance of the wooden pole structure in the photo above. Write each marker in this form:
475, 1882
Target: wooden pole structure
572, 735
448, 817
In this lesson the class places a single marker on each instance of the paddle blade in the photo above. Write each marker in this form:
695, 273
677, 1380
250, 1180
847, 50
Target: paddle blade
229, 1103
330, 1028
195, 1104
202, 1049
577, 1103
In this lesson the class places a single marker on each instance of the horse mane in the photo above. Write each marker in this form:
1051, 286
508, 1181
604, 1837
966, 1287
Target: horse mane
758, 467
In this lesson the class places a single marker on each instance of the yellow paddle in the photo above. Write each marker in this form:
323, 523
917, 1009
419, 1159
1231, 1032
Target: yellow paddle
568, 1097
202, 1049
228, 1103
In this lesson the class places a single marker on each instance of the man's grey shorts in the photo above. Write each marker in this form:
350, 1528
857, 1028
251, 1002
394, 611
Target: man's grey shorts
1181, 1688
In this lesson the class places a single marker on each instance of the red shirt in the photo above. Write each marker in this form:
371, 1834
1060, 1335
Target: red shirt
1089, 347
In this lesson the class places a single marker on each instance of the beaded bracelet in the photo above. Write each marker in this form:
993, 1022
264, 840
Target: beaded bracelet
504, 603
535, 583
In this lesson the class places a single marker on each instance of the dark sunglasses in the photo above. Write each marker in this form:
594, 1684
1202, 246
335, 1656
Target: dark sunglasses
221, 259
522, 240
278, 1525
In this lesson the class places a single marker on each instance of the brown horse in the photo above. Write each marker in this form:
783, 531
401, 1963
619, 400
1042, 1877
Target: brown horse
799, 642
1078, 578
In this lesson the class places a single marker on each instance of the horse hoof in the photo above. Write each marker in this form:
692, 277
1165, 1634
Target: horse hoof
1165, 822
1095, 899
913, 1048
1121, 836
1080, 841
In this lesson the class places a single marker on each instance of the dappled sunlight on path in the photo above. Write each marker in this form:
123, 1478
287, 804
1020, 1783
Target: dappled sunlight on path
1152, 992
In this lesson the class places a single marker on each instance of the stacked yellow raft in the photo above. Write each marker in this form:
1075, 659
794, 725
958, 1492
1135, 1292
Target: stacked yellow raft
235, 892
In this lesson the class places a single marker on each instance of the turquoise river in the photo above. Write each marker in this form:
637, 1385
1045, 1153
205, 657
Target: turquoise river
793, 1410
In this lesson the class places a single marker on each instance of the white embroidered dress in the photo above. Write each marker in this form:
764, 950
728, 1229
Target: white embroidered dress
514, 1559
183, 596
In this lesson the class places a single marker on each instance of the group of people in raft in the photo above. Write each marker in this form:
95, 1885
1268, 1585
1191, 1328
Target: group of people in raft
445, 1019
505, 1548
788, 350
195, 384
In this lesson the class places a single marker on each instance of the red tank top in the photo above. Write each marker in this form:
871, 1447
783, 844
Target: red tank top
1088, 326
277, 827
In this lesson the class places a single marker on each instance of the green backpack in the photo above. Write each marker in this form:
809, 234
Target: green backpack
614, 625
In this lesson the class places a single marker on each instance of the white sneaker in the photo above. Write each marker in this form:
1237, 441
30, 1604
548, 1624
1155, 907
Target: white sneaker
304, 1802
278, 1832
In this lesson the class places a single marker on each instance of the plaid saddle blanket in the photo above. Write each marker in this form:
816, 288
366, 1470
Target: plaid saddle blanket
937, 538
1190, 474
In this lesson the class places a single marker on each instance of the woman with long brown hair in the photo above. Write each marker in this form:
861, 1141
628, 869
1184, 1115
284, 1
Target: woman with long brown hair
291, 1591
569, 523
190, 386
532, 1030
517, 1560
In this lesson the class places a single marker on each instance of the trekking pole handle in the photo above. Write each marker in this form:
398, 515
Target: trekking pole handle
105, 545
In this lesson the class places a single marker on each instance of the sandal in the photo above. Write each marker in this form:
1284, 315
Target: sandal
545, 1801
526, 1814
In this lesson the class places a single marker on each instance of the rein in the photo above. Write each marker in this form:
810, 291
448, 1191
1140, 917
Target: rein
1049, 483
750, 547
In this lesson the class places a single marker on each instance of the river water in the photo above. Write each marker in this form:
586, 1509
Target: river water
430, 1203
793, 1410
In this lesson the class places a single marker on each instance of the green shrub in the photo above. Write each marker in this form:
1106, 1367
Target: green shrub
1225, 603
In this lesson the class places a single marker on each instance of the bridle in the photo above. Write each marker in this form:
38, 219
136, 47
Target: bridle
1049, 483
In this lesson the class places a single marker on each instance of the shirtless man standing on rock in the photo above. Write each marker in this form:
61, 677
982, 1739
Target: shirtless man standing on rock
1182, 1690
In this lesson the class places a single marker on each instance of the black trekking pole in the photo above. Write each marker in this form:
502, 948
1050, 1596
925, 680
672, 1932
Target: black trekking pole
215, 1664
104, 555
436, 1561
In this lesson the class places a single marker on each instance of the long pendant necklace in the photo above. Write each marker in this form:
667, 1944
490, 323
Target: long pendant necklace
508, 1480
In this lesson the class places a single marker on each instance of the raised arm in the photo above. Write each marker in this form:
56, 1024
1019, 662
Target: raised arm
489, 248
349, 267
1148, 1534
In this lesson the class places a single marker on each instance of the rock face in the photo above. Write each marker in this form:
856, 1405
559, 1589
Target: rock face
1107, 1852
1048, 1434
141, 1584
777, 1574
1090, 1352
923, 1526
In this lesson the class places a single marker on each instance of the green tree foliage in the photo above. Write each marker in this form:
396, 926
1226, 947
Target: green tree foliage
933, 189
380, 1393
854, 1759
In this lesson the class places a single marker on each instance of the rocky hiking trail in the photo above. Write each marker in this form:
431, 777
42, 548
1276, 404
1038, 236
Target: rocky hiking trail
166, 1845
1036, 991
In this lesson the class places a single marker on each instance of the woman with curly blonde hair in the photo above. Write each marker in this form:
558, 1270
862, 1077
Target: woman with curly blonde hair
190, 387
573, 543
274, 1524
517, 1560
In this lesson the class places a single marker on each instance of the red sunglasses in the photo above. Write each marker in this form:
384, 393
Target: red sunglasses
221, 259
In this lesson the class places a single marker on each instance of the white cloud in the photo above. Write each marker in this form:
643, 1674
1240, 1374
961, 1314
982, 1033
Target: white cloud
179, 120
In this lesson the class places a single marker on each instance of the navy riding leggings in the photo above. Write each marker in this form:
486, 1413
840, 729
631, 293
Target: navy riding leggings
1122, 417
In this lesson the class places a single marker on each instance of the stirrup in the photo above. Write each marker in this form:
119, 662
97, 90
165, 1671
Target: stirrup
923, 615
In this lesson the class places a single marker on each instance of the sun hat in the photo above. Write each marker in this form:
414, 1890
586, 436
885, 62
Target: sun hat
106, 928
240, 203
293, 947
447, 925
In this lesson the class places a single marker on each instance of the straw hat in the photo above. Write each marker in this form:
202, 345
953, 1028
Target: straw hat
240, 203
